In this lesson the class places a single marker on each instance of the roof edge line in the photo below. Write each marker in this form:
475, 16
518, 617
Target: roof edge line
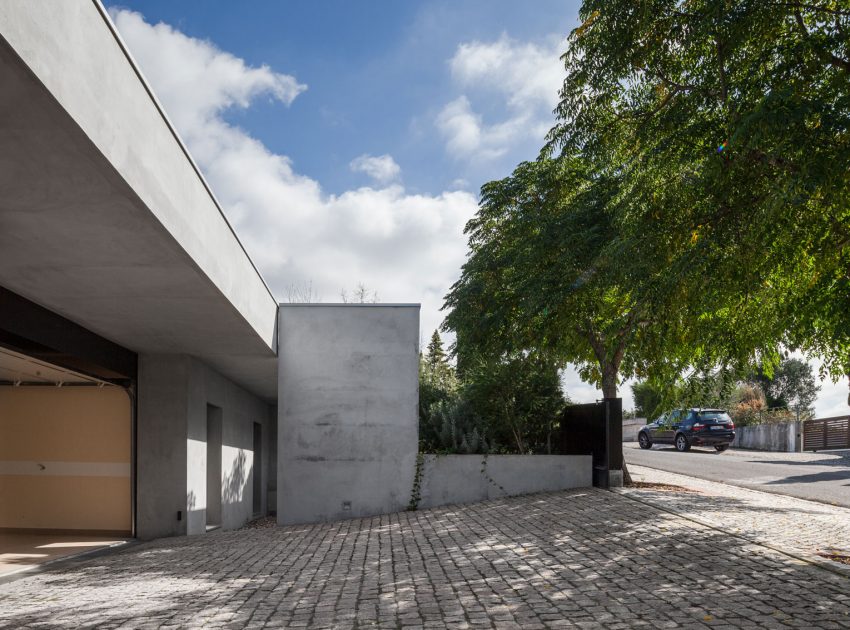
104, 14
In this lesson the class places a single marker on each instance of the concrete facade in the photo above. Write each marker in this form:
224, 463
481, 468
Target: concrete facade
453, 479
174, 394
105, 219
347, 411
784, 437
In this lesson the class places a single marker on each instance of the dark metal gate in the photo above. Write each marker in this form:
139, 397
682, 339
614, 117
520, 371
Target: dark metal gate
826, 433
595, 429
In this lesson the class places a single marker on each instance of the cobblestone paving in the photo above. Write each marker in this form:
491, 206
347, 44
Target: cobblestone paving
586, 559
797, 525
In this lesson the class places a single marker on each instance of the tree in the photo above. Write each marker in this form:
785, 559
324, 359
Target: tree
302, 293
543, 277
648, 400
361, 295
792, 385
727, 126
516, 401
436, 356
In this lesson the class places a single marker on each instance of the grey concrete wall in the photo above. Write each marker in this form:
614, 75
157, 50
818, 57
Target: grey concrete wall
74, 50
450, 479
174, 391
161, 453
631, 426
347, 410
783, 437
131, 243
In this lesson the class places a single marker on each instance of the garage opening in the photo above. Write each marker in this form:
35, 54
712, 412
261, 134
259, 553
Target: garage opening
65, 461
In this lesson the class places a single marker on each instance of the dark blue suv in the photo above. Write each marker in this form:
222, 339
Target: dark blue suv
690, 427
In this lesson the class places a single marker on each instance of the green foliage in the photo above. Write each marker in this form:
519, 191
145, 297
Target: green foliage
648, 400
516, 401
543, 278
726, 124
792, 385
510, 405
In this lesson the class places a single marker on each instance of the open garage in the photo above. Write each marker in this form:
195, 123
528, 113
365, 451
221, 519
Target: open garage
65, 456
66, 438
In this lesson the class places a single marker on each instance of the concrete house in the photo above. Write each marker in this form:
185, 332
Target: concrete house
150, 384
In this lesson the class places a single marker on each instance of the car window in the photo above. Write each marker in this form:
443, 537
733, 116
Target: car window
718, 416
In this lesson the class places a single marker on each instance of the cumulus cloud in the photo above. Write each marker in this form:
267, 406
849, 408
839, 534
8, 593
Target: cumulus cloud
525, 77
382, 168
467, 136
406, 247
207, 79
527, 74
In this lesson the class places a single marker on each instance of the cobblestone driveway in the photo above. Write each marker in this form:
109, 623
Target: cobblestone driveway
589, 559
794, 525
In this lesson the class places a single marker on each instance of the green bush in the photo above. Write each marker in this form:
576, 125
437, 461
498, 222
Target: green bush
506, 405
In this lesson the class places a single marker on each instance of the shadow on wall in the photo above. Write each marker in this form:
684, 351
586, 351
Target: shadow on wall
234, 483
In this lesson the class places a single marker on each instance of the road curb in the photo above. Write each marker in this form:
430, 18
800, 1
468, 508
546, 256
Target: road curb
741, 486
827, 565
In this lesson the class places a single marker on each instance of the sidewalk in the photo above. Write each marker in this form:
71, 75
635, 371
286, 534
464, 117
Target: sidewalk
796, 526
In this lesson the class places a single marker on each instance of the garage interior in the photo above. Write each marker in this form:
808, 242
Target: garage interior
65, 462
66, 437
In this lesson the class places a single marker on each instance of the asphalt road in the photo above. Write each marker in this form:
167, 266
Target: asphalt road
820, 476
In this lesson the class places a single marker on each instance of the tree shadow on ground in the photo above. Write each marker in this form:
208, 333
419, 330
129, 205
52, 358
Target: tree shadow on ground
586, 556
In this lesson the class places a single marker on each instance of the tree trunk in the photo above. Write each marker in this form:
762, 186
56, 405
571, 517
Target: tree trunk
609, 382
609, 390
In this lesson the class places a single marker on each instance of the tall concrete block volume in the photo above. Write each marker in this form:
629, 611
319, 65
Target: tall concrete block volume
348, 395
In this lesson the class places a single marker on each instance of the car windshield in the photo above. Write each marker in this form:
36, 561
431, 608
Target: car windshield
717, 416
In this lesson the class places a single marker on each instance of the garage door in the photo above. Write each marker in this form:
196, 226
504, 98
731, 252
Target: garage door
65, 450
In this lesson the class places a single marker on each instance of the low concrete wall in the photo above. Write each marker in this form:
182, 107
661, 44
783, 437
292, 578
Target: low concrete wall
782, 438
450, 479
631, 426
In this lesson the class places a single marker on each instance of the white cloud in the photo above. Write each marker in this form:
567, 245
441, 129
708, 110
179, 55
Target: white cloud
408, 248
382, 168
524, 76
527, 74
207, 79
467, 136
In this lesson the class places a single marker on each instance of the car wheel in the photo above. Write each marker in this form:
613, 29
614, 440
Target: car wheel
720, 447
682, 443
643, 440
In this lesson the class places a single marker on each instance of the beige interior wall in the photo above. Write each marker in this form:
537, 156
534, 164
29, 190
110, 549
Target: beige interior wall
65, 458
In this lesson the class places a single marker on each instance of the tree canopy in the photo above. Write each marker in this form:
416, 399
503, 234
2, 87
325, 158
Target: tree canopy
728, 123
690, 207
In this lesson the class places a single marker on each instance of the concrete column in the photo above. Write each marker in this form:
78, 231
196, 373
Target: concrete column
161, 453
348, 395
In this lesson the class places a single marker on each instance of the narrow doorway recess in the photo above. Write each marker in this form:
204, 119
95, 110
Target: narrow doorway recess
213, 467
258, 469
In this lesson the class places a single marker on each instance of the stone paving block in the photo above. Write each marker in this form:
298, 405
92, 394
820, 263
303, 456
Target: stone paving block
580, 559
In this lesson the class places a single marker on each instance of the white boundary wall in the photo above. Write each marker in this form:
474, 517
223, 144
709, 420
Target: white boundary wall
785, 437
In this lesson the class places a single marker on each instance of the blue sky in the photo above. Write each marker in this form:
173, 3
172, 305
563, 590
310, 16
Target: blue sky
378, 74
347, 141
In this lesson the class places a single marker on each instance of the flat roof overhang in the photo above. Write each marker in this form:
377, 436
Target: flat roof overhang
104, 217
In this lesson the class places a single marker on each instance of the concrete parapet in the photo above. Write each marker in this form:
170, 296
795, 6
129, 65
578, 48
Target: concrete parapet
451, 479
